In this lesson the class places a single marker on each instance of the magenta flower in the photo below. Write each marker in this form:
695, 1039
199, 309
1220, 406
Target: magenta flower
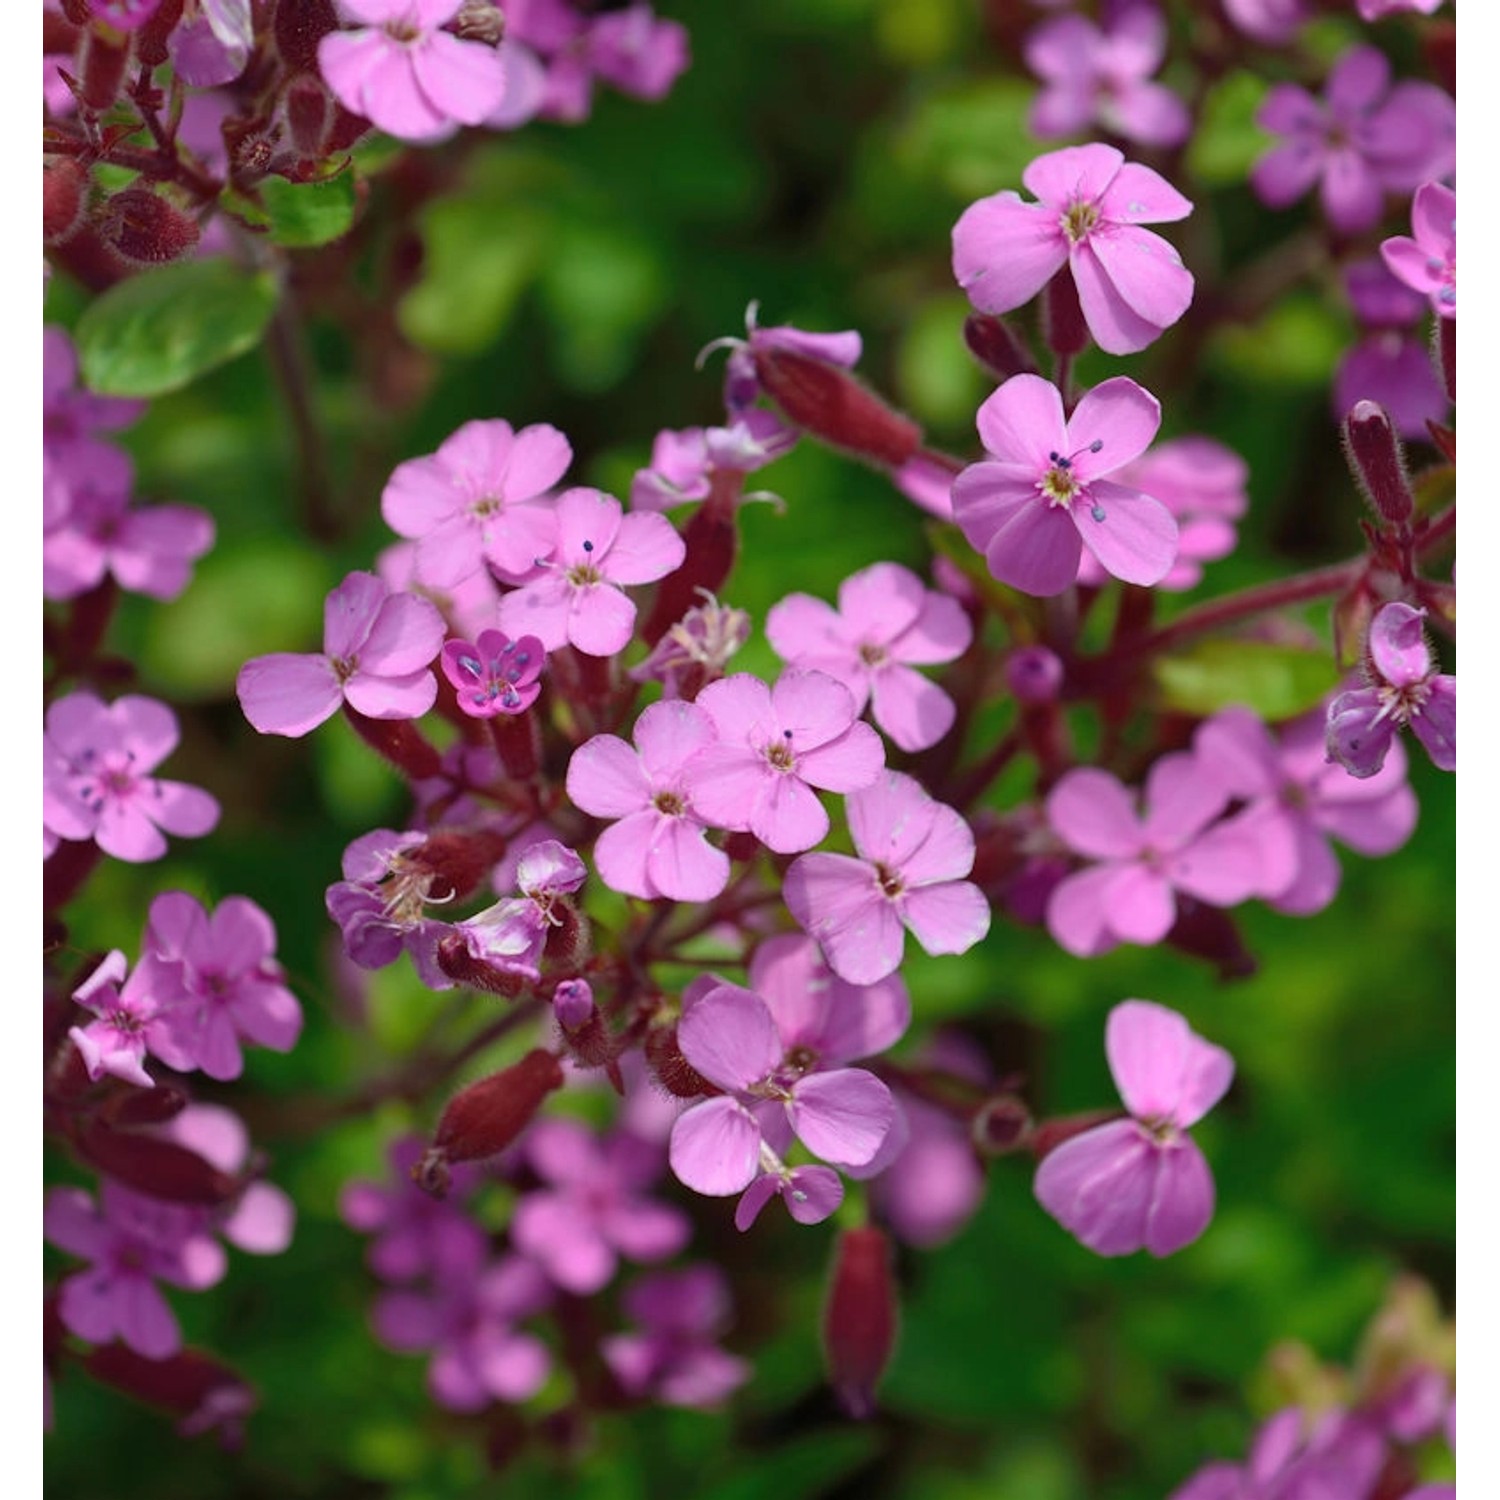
1130, 895
407, 76
741, 383
377, 655
480, 499
592, 1207
219, 982
213, 46
1389, 365
494, 675
1426, 260
774, 746
73, 457
886, 624
913, 856
1364, 139
579, 599
148, 551
695, 651
721, 1144
380, 904
1142, 1182
131, 1023
1103, 75
659, 846
1091, 203
96, 777
675, 1358
1269, 21
683, 463
1375, 10
1041, 495
1296, 801
1203, 486
1406, 691
469, 1325
629, 48
133, 1242
1295, 1456
512, 933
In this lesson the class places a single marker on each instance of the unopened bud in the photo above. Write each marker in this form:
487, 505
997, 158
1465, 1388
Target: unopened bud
829, 402
1001, 1125
483, 1119
1066, 331
995, 346
65, 188
152, 35
102, 67
158, 1167
573, 1003
307, 113
144, 228
468, 969
1210, 932
460, 862
711, 541
1374, 454
673, 1071
1034, 674
144, 1106
859, 1320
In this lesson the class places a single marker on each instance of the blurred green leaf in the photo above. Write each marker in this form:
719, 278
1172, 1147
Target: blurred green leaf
158, 331
1297, 343
1226, 140
802, 1469
309, 213
1278, 682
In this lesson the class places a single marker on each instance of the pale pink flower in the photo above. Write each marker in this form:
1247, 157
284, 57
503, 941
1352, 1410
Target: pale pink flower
1426, 260
1041, 495
1142, 1182
378, 648
887, 623
658, 847
147, 550
579, 599
774, 746
131, 1023
1091, 203
913, 855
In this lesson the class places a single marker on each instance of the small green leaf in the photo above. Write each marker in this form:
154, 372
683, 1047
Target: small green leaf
1227, 141
309, 213
1277, 682
160, 330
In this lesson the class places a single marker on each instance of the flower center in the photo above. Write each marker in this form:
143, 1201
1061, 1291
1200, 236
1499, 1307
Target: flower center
670, 803
124, 1022
872, 655
1403, 704
780, 753
1078, 218
890, 882
582, 574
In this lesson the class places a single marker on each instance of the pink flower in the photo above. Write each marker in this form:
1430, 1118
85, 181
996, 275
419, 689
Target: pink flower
1406, 691
1103, 75
1091, 202
406, 75
1296, 802
1269, 21
494, 675
658, 847
774, 746
1375, 10
148, 550
1203, 486
1365, 138
592, 1207
377, 654
1142, 1182
212, 47
683, 463
512, 934
1298, 1457
886, 624
481, 498
380, 904
695, 651
1427, 259
96, 781
1041, 495
579, 598
131, 1023
219, 982
720, 1145
73, 458
913, 855
1130, 895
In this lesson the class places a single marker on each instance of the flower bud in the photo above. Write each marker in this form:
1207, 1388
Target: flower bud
65, 190
1034, 674
143, 228
999, 352
460, 862
673, 1071
398, 741
1063, 321
144, 1106
1001, 1125
569, 935
711, 540
480, 21
835, 406
160, 1168
102, 64
190, 1384
1374, 455
859, 1320
485, 1118
298, 26
467, 968
307, 114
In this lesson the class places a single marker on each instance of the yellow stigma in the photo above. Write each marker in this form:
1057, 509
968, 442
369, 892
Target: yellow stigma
1079, 219
1059, 486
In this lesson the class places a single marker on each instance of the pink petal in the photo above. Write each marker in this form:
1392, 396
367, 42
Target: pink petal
605, 777
600, 620
1023, 423
845, 764
890, 819
1138, 905
1163, 1069
391, 97
842, 1116
1063, 48
1036, 550
647, 547
1436, 724
1138, 195
946, 851
812, 1194
1223, 866
715, 1147
915, 713
1120, 417
941, 633
729, 1037
463, 80
787, 816
836, 900
1397, 645
947, 918
1133, 536
726, 784
560, 1235
1094, 815
880, 602
1099, 1185
1076, 912
383, 697
405, 636
1151, 114
1182, 1202
809, 632
587, 523
682, 865
349, 613
187, 811
668, 734
1112, 318
1183, 795
739, 705
1074, 174
810, 708
1005, 251
287, 694
756, 1196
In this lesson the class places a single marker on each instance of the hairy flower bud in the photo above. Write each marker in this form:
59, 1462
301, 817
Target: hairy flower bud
158, 1167
673, 1071
996, 348
144, 228
65, 188
1374, 454
859, 1319
460, 862
398, 741
485, 1118
464, 967
308, 108
834, 405
101, 67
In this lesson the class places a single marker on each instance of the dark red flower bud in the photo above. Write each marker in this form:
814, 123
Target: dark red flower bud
569, 936
102, 62
298, 26
151, 1165
995, 346
78, 12
1062, 321
398, 741
485, 1118
65, 192
133, 1106
1375, 459
1446, 337
1001, 1125
144, 228
711, 539
151, 38
462, 967
835, 406
518, 742
308, 110
191, 1385
459, 862
859, 1320
673, 1071
59, 35
1210, 932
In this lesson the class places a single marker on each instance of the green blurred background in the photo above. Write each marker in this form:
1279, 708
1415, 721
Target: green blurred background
813, 158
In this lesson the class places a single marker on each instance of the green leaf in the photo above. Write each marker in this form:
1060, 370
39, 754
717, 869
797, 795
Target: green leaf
1278, 682
309, 213
1227, 141
160, 330
1296, 344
